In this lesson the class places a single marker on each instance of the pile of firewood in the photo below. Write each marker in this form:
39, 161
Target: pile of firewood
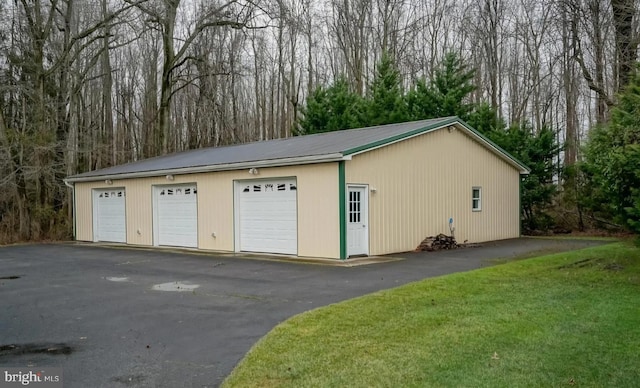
436, 243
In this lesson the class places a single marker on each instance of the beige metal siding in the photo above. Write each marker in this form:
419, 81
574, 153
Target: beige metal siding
84, 209
318, 211
318, 218
424, 181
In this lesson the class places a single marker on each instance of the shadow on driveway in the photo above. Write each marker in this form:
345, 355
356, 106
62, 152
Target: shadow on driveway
145, 318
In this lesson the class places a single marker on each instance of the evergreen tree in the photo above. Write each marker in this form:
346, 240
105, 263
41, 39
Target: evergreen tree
421, 104
536, 151
315, 115
331, 109
612, 161
485, 119
386, 104
447, 94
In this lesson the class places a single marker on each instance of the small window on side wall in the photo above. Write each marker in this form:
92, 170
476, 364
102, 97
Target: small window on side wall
476, 199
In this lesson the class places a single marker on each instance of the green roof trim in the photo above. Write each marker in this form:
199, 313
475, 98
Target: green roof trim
497, 147
454, 120
396, 138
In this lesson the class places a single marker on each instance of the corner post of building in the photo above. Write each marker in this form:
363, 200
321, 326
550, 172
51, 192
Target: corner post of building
72, 187
521, 179
342, 198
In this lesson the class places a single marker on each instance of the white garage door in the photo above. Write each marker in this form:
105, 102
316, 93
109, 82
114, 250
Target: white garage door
109, 220
268, 216
176, 215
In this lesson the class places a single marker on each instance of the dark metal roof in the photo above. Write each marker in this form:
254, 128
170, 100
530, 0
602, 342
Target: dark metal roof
317, 145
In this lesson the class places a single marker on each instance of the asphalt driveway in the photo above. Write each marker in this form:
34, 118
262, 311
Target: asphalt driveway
125, 317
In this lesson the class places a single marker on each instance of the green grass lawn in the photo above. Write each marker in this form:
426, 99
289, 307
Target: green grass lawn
568, 319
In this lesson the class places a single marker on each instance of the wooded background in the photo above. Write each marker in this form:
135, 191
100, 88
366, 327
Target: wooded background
86, 84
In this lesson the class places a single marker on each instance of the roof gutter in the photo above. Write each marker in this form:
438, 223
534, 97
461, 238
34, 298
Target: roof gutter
313, 159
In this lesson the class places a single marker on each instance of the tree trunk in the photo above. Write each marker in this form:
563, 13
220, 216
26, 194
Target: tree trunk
166, 83
570, 89
107, 87
626, 42
598, 48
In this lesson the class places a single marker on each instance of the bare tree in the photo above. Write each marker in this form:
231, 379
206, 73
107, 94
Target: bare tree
491, 13
570, 84
351, 28
590, 27
624, 12
50, 39
162, 16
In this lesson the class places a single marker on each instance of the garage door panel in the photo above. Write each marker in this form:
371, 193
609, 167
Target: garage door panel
258, 233
110, 215
268, 217
177, 215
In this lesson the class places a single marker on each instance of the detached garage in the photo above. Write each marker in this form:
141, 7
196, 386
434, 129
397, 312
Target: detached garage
368, 191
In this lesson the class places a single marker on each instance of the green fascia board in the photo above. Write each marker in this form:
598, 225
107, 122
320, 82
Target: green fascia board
379, 143
342, 199
524, 170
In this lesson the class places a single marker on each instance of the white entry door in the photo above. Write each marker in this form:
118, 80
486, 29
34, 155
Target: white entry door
267, 216
357, 221
109, 220
176, 215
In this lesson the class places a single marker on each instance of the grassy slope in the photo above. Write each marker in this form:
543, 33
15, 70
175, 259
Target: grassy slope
564, 319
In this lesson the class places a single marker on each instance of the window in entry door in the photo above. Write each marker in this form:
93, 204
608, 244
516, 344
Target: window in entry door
354, 206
